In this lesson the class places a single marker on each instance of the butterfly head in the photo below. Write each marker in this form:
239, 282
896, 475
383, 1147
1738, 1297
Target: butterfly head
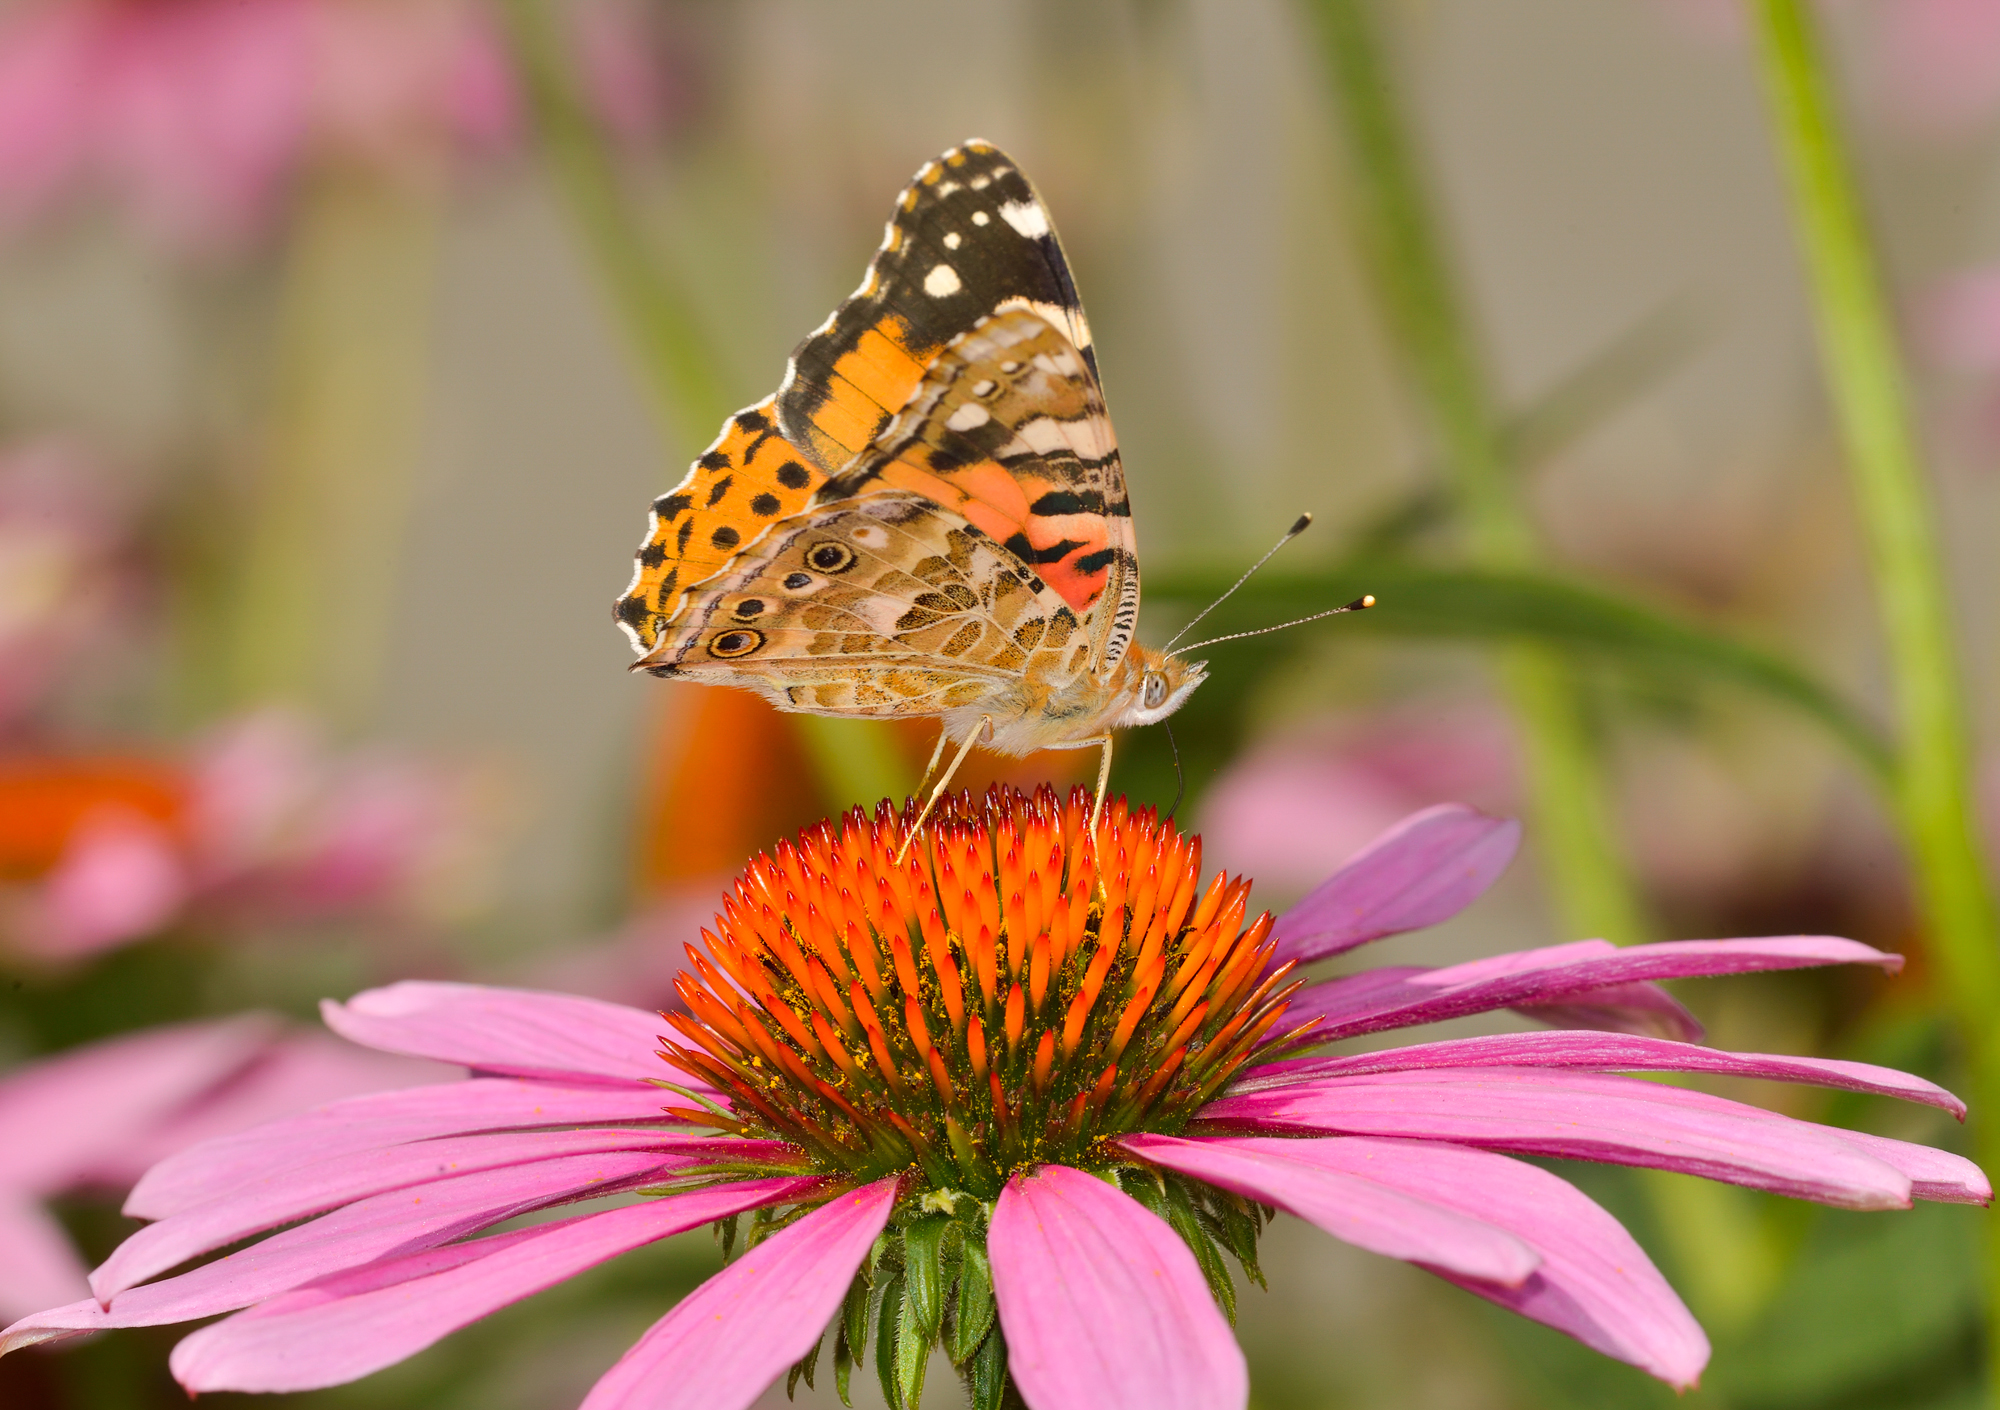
1162, 685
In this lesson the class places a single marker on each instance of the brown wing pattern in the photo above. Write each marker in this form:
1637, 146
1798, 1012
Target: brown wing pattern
1009, 430
889, 605
750, 479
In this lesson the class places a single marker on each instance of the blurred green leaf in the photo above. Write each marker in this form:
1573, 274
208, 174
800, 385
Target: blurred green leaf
1485, 604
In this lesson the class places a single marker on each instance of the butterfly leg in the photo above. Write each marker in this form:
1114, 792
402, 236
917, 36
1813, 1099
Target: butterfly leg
1103, 782
944, 738
984, 728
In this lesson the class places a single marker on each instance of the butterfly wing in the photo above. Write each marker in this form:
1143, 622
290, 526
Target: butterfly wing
888, 605
946, 427
969, 237
748, 480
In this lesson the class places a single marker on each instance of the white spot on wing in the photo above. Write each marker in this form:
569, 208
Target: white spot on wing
953, 240
1027, 217
942, 281
980, 218
968, 416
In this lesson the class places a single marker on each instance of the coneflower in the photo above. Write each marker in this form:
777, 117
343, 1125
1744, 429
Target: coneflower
1022, 1094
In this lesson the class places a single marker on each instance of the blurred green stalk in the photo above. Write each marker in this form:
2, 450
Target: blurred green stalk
1932, 790
853, 759
654, 308
311, 606
1400, 241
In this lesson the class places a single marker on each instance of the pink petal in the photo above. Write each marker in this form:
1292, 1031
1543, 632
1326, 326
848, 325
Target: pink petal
1594, 1283
38, 1268
1644, 1009
217, 1167
1102, 1305
1586, 1116
1934, 1174
1425, 870
347, 1326
1404, 998
308, 1191
1595, 1052
121, 878
1297, 1177
299, 1071
512, 1032
733, 1335
62, 1116
386, 1226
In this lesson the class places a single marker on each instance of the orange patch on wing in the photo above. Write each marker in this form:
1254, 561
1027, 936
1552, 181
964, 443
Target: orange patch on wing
882, 367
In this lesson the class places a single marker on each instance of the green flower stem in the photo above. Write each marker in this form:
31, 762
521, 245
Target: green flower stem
312, 603
658, 315
854, 761
1932, 788
1426, 316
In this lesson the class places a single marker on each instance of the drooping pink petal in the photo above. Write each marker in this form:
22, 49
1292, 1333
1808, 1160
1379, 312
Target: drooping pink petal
1297, 1177
1536, 977
1102, 1305
1425, 870
121, 878
1934, 1174
304, 1192
38, 1267
1603, 1052
511, 1032
64, 1115
1586, 1116
1643, 1009
344, 1327
732, 1336
217, 1167
384, 1226
1594, 1283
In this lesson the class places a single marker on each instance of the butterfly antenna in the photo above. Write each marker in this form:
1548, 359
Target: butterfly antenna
1180, 779
1299, 526
1359, 604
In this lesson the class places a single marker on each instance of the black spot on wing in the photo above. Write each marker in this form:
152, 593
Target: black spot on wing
653, 555
681, 538
669, 506
793, 476
725, 538
714, 460
1061, 502
766, 504
1094, 562
718, 490
631, 610
1018, 545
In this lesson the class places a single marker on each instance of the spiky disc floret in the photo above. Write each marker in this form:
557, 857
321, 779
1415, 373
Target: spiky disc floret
997, 999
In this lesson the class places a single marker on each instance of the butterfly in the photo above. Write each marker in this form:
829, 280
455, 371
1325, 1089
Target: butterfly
929, 518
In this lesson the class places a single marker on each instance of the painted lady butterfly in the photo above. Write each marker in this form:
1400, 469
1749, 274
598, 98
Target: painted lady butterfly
929, 518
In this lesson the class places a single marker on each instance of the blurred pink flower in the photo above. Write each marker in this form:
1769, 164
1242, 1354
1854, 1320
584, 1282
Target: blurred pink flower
1299, 802
198, 112
267, 828
63, 569
95, 1118
1077, 1212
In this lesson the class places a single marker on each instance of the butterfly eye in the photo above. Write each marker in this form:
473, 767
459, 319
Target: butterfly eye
1155, 692
739, 643
830, 557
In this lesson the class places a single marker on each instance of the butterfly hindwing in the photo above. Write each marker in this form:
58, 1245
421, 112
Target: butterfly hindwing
969, 237
883, 606
751, 478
